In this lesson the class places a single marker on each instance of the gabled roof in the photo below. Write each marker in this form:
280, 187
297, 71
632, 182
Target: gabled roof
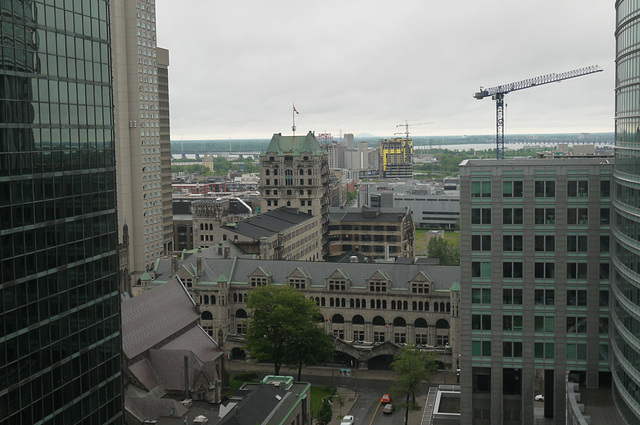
269, 223
143, 328
293, 145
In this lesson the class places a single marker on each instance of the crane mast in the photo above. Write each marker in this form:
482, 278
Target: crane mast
497, 93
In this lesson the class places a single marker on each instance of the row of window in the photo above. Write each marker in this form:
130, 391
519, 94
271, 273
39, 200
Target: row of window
541, 216
542, 350
541, 297
542, 189
542, 270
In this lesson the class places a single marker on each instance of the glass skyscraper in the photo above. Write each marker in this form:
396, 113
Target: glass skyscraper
625, 308
60, 342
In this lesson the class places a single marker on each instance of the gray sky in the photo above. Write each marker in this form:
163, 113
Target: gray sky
365, 66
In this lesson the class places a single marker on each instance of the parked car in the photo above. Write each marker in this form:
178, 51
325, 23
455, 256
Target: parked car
539, 397
388, 409
386, 398
347, 420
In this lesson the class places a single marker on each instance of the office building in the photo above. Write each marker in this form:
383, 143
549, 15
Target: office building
396, 158
534, 284
142, 129
625, 304
294, 172
60, 340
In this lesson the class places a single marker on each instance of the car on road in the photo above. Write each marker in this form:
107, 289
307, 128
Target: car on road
388, 409
386, 398
539, 397
347, 420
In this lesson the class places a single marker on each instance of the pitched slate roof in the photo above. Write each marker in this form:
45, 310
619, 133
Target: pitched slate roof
293, 145
143, 328
356, 214
269, 223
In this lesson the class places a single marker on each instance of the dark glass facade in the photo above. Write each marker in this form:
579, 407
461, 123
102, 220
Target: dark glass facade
625, 303
60, 343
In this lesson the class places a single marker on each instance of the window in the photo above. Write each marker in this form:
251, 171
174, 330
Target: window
544, 324
604, 243
605, 189
604, 215
577, 243
481, 189
512, 296
480, 269
545, 216
545, 243
577, 188
377, 286
512, 189
512, 322
481, 242
481, 322
511, 349
577, 297
512, 269
512, 243
576, 351
603, 325
420, 288
604, 271
337, 285
577, 324
481, 295
577, 215
400, 338
545, 189
576, 270
544, 270
378, 337
288, 177
481, 348
543, 350
512, 216
480, 215
544, 296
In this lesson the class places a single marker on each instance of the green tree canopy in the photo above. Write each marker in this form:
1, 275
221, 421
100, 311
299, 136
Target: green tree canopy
412, 366
283, 328
448, 253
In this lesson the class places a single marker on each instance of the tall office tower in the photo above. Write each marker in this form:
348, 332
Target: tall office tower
348, 140
625, 307
140, 146
165, 148
396, 159
294, 172
60, 339
534, 284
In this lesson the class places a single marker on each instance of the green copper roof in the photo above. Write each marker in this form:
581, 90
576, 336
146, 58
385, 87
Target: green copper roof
293, 145
456, 286
146, 276
221, 278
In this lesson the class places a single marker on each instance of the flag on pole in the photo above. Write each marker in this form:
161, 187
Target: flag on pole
295, 110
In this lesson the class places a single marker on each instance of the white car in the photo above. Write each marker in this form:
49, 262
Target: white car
347, 420
539, 397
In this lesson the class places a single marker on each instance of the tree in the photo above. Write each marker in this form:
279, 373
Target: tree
283, 328
325, 414
448, 253
412, 366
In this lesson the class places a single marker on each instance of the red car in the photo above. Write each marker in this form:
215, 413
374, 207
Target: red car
386, 398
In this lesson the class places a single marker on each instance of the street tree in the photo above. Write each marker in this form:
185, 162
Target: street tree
283, 328
412, 366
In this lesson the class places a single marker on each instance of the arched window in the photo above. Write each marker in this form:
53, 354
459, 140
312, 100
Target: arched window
448, 307
393, 304
322, 304
442, 306
206, 315
399, 321
206, 299
435, 307
442, 324
420, 323
337, 318
379, 321
405, 305
241, 314
357, 320
352, 303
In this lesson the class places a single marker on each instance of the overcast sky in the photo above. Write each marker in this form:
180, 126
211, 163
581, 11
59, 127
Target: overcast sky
365, 66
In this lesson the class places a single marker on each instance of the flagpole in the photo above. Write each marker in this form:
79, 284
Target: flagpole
293, 117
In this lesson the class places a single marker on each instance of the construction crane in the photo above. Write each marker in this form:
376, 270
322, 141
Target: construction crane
497, 94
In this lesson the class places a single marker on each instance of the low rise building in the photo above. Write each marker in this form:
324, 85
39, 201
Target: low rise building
379, 233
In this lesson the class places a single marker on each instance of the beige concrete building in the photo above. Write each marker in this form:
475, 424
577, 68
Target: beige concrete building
373, 309
141, 150
294, 172
377, 233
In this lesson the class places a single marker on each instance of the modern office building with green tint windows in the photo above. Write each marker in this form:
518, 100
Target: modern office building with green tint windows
534, 284
60, 343
625, 308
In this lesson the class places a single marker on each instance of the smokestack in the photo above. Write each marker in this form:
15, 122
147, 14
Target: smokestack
186, 376
199, 266
174, 265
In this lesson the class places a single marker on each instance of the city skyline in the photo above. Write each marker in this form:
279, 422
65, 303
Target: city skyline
366, 67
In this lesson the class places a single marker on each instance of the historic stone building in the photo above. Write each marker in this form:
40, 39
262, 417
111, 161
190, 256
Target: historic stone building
294, 172
372, 309
377, 233
210, 214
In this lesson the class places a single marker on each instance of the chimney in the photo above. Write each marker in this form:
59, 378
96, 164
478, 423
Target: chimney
186, 376
199, 266
174, 265
227, 252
